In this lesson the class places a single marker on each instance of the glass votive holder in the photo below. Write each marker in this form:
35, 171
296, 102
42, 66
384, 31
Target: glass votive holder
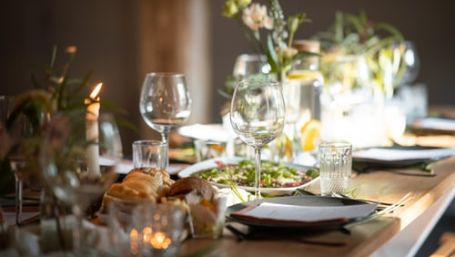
123, 236
207, 218
159, 228
208, 149
149, 154
335, 165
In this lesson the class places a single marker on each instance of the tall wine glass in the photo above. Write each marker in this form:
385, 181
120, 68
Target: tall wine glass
67, 159
257, 116
408, 66
165, 103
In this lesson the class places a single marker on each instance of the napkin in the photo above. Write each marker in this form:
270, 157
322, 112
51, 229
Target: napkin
398, 157
433, 123
309, 209
283, 212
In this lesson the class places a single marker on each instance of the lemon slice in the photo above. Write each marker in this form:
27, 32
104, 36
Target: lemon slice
304, 75
310, 134
287, 147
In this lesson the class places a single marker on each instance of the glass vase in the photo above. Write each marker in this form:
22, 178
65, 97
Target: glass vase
352, 105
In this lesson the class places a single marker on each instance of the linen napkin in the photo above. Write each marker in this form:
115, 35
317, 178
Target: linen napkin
398, 157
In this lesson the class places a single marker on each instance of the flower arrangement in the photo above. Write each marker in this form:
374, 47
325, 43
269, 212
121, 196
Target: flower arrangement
356, 35
53, 91
268, 31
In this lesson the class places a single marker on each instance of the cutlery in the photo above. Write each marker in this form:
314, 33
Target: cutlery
388, 210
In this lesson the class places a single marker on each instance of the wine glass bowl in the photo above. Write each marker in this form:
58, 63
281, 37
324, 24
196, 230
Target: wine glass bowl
257, 116
409, 65
164, 103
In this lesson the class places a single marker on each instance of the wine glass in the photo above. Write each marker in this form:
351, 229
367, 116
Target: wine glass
20, 133
78, 170
15, 139
408, 66
165, 103
257, 116
250, 64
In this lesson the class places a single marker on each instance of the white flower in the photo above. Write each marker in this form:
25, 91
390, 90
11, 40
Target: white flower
255, 17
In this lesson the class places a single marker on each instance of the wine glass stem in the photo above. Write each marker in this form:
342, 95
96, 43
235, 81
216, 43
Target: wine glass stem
257, 178
19, 197
165, 139
77, 232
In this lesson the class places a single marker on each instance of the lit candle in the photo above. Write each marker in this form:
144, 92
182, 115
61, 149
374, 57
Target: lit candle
93, 108
134, 244
160, 240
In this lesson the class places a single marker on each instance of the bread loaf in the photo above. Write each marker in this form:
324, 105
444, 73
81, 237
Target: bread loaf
141, 185
189, 184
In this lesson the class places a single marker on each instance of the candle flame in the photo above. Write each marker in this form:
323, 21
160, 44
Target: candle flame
134, 244
146, 234
96, 91
160, 240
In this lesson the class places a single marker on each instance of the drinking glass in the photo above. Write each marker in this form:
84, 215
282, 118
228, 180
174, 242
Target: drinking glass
257, 116
335, 163
149, 154
164, 103
120, 224
78, 170
15, 142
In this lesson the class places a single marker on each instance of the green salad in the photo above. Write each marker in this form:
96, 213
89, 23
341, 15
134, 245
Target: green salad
273, 175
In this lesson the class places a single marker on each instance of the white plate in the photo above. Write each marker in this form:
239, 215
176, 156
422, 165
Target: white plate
208, 164
214, 132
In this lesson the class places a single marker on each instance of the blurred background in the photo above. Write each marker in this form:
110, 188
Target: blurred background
120, 41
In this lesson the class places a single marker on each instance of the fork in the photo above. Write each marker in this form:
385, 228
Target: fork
389, 209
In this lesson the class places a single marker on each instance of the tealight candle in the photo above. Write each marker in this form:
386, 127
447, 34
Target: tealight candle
134, 244
160, 241
160, 228
93, 108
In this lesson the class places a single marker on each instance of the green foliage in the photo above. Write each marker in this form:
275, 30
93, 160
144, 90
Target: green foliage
54, 92
356, 35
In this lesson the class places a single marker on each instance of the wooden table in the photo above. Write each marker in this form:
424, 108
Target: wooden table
365, 238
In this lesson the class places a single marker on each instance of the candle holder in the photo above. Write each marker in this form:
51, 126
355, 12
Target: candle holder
122, 234
157, 229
